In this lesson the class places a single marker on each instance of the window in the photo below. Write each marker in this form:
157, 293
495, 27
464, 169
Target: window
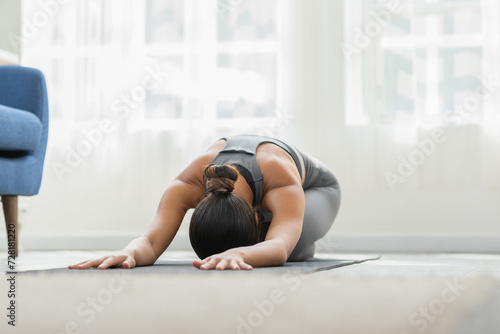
418, 62
217, 58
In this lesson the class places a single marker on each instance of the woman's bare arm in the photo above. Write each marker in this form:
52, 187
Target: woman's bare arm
176, 201
183, 193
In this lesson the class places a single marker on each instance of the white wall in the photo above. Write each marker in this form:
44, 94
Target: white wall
457, 214
10, 25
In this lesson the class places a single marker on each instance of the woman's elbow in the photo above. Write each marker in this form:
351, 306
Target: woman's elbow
282, 255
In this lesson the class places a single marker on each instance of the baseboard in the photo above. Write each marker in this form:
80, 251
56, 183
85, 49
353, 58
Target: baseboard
422, 242
84, 241
380, 242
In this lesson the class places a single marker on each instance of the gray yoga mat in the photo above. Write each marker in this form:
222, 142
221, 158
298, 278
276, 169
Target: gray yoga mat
184, 266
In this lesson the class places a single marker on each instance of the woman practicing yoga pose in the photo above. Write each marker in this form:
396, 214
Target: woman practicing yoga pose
258, 202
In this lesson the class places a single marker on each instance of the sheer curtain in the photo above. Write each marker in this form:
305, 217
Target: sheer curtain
137, 89
423, 79
415, 172
168, 77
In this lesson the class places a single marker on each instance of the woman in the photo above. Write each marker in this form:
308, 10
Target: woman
258, 202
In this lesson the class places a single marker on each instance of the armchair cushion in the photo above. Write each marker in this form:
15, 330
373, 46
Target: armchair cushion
19, 130
22, 90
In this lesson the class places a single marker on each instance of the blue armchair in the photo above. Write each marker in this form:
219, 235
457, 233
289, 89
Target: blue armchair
24, 119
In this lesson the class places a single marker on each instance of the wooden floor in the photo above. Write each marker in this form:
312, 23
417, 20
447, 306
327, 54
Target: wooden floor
399, 293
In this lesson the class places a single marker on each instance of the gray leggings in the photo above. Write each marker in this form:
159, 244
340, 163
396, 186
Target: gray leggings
322, 193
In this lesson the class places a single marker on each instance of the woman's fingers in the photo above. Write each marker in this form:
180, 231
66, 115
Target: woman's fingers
105, 262
112, 261
73, 266
228, 264
128, 263
87, 264
198, 263
210, 264
221, 263
245, 266
234, 265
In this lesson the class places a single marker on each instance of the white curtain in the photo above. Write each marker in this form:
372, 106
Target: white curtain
139, 88
365, 118
398, 175
423, 83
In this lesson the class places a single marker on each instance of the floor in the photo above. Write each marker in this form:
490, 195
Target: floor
398, 293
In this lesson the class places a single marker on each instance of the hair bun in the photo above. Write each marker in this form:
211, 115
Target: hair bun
220, 178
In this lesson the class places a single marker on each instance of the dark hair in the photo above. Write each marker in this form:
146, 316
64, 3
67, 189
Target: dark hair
223, 219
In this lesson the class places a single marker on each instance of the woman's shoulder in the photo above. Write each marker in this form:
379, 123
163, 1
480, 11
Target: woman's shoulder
277, 167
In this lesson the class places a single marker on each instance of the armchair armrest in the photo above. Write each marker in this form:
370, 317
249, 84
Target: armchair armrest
24, 88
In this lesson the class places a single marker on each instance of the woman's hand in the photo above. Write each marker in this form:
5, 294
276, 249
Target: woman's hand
230, 259
123, 260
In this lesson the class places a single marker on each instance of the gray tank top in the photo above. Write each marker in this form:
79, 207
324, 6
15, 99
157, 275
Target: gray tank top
240, 152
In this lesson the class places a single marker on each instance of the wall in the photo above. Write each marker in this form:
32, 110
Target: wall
9, 25
91, 209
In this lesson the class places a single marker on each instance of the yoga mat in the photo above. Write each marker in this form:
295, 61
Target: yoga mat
180, 262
